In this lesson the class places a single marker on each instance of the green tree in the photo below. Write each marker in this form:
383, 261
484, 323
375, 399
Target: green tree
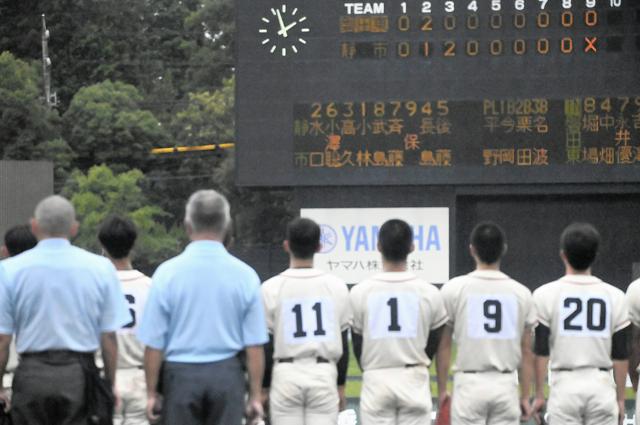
105, 124
100, 192
24, 121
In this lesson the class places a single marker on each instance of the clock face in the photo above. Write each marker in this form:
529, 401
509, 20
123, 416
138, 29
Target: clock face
283, 30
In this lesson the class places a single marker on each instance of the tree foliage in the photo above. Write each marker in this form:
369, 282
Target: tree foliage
24, 121
105, 124
101, 192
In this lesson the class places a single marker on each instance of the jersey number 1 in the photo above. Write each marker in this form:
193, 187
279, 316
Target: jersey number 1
300, 332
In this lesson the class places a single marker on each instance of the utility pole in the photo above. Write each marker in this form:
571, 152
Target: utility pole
46, 66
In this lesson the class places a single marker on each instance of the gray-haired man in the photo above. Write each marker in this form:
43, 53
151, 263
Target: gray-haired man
203, 309
62, 303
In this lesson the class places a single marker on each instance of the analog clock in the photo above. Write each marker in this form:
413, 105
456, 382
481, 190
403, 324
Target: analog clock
283, 30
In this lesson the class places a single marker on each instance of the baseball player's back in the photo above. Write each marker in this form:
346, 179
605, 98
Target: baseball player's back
307, 312
395, 312
489, 313
582, 314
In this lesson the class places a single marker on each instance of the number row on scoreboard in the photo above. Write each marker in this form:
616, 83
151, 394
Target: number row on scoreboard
498, 47
450, 6
566, 19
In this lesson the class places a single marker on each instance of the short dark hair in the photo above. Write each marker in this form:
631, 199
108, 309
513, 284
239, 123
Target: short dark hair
303, 236
488, 240
395, 239
117, 235
19, 239
579, 242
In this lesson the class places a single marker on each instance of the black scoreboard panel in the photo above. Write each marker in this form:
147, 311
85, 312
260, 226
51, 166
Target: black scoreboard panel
438, 92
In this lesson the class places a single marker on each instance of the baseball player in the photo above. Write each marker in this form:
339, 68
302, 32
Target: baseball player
397, 320
308, 318
117, 236
583, 330
491, 317
633, 301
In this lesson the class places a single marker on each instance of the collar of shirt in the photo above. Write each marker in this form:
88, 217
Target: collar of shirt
395, 276
302, 273
53, 243
125, 275
489, 274
207, 246
580, 279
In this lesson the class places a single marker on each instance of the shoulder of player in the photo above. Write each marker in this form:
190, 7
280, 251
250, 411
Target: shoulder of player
634, 288
547, 288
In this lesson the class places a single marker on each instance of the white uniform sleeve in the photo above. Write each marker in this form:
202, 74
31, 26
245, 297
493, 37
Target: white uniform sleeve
448, 293
439, 315
621, 311
346, 315
530, 311
542, 306
633, 302
269, 303
356, 309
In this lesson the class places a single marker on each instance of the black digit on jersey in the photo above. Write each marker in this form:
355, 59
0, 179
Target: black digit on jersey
131, 299
299, 333
596, 317
493, 311
393, 306
317, 307
568, 326
602, 317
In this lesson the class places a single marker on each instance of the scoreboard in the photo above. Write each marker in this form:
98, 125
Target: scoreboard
447, 92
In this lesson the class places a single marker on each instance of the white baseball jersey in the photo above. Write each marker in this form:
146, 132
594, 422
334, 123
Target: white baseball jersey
633, 301
582, 313
306, 311
395, 312
488, 312
135, 287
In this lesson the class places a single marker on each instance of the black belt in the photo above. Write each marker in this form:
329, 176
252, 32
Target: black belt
487, 371
291, 360
413, 365
56, 353
602, 369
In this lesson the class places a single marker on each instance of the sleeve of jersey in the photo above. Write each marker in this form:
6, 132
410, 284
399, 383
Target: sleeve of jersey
355, 310
254, 325
633, 301
440, 316
346, 316
268, 305
621, 318
7, 325
448, 298
539, 306
531, 319
115, 312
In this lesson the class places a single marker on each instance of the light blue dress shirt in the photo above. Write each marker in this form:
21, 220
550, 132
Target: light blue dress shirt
204, 306
60, 297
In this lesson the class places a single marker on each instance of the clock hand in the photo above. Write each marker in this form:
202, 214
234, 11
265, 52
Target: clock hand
283, 29
291, 25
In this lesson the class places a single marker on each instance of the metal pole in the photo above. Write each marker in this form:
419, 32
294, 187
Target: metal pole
46, 63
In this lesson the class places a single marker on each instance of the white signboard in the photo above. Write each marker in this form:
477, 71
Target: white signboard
350, 237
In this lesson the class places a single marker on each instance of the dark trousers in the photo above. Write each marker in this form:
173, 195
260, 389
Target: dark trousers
49, 390
203, 393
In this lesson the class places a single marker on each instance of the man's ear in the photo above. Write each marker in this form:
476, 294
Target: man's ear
74, 229
319, 247
505, 249
285, 246
35, 229
413, 248
4, 252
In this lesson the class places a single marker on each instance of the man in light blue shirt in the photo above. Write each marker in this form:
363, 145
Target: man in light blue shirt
62, 303
204, 308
